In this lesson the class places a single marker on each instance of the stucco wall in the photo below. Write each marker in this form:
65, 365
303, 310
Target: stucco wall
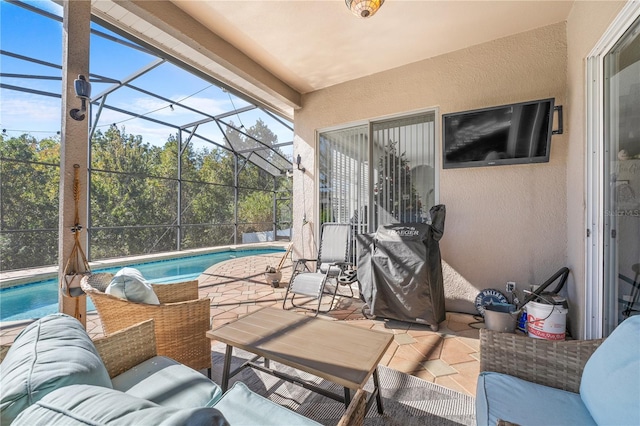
506, 223
586, 24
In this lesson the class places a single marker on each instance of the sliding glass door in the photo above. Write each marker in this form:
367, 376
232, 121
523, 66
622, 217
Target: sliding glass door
622, 179
404, 169
380, 172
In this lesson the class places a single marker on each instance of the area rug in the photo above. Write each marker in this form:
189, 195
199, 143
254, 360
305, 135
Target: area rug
407, 400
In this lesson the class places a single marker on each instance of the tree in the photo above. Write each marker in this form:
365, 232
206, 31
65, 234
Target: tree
134, 195
29, 187
394, 190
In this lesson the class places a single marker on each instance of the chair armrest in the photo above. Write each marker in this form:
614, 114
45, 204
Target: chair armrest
300, 266
127, 348
303, 263
354, 415
557, 364
176, 292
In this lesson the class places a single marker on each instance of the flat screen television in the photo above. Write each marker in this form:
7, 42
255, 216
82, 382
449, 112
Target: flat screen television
508, 134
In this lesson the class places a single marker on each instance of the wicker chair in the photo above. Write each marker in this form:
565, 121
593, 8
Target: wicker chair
181, 319
557, 364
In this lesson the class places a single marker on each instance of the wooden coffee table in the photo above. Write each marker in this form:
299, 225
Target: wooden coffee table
344, 354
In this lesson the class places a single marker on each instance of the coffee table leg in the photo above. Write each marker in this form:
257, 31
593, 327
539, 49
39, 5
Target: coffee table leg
226, 368
347, 397
376, 384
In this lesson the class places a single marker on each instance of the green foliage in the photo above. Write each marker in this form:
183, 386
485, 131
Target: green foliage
134, 191
394, 190
29, 186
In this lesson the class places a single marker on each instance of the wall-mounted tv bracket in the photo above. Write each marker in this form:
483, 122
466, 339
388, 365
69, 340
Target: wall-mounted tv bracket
558, 109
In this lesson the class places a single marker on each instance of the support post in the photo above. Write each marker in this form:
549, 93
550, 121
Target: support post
236, 197
74, 147
179, 206
275, 208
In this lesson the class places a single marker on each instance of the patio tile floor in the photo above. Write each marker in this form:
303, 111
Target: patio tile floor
448, 357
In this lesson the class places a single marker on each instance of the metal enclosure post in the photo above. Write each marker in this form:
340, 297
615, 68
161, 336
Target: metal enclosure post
275, 208
235, 197
179, 203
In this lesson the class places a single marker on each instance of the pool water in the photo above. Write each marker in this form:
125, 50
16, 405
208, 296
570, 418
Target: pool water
38, 299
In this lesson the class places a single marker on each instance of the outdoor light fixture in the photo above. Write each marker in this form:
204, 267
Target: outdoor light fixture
298, 160
364, 8
83, 91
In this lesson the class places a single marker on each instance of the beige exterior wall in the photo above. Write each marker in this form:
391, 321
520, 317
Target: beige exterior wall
520, 222
505, 223
586, 24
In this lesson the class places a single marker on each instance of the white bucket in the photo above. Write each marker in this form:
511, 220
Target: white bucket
546, 321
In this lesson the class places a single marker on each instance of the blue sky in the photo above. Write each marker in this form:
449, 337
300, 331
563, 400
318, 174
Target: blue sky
30, 34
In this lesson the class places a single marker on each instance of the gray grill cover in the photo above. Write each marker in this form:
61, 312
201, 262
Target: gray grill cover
400, 270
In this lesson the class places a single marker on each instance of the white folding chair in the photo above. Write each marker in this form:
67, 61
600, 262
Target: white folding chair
332, 264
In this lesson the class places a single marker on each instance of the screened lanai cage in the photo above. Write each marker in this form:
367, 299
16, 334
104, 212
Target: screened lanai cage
177, 160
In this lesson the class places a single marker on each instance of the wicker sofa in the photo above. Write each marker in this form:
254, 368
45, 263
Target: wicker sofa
54, 374
528, 381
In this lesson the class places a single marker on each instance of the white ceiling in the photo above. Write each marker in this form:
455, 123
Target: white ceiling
311, 45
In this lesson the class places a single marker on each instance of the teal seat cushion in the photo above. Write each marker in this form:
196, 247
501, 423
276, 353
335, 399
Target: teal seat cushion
610, 385
50, 353
168, 383
241, 406
94, 405
504, 397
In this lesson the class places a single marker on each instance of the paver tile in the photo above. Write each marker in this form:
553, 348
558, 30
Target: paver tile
236, 287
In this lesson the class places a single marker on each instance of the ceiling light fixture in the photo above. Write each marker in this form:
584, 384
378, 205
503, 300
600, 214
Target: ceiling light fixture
364, 8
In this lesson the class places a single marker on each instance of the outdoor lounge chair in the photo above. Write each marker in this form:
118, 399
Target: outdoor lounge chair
332, 264
181, 319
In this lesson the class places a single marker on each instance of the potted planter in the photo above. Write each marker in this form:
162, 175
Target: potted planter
272, 276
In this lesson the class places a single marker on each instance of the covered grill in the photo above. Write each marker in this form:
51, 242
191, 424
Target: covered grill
400, 271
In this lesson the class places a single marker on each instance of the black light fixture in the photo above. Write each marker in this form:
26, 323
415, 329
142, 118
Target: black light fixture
298, 160
83, 91
364, 8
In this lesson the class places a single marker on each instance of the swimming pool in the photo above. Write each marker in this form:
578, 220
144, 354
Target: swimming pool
38, 299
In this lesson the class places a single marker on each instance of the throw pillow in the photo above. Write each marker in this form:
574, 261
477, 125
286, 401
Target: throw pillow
609, 386
129, 284
50, 353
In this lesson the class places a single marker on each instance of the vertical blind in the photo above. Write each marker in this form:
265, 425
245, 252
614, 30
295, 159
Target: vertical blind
404, 168
389, 165
344, 175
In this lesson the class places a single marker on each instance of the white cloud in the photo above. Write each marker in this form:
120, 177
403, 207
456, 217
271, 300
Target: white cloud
28, 112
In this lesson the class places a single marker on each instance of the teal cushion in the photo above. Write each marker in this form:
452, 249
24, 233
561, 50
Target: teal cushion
610, 386
241, 406
50, 353
129, 284
504, 397
93, 405
168, 383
